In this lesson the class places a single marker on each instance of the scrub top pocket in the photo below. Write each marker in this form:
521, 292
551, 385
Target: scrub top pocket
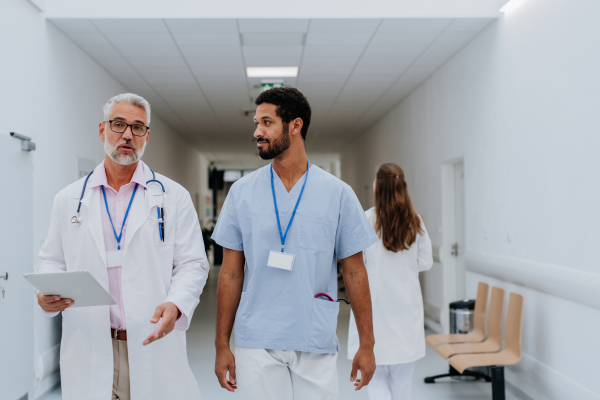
323, 324
315, 234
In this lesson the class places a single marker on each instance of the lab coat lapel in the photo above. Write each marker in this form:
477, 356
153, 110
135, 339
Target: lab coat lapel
91, 201
138, 213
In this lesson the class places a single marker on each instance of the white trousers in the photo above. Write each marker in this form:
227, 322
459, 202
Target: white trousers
392, 382
285, 375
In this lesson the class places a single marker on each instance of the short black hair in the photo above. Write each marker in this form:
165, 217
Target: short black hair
291, 104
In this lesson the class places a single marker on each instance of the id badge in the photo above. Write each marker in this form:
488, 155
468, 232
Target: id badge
280, 260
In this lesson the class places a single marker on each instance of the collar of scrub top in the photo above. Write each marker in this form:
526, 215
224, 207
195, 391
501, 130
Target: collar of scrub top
281, 235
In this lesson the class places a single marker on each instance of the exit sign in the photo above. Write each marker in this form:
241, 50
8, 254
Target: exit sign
270, 85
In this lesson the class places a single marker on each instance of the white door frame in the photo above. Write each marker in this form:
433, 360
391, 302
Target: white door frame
450, 269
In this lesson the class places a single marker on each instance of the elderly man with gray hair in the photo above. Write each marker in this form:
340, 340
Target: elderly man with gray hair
147, 252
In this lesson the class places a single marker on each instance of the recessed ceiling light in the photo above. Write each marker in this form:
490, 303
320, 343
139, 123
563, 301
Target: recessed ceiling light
271, 72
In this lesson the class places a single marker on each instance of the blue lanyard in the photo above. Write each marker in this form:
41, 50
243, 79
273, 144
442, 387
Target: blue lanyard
281, 235
124, 219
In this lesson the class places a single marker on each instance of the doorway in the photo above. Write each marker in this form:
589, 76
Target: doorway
452, 253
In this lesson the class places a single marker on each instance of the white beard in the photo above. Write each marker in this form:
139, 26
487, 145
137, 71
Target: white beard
113, 153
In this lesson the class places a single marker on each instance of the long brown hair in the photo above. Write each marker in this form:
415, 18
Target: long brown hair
396, 221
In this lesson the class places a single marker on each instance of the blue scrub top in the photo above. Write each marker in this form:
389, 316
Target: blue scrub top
277, 309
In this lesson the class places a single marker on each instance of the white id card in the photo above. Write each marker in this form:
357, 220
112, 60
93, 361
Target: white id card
280, 260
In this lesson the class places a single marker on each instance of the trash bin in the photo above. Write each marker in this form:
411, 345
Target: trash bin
461, 316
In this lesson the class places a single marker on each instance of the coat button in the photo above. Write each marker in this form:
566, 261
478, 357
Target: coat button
129, 316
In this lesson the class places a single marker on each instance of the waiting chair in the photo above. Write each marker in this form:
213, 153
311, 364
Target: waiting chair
479, 315
511, 354
493, 342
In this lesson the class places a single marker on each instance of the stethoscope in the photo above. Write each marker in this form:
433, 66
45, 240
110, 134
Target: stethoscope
77, 220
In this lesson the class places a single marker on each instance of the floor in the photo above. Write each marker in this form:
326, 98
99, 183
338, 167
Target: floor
201, 354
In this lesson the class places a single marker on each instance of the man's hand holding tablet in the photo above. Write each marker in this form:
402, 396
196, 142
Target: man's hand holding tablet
53, 303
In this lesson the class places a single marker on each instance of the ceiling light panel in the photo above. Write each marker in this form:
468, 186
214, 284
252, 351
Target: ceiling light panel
272, 61
202, 25
271, 72
273, 25
272, 39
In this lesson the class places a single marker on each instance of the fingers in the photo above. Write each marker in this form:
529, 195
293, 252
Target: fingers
225, 363
157, 314
228, 384
365, 378
53, 303
360, 382
354, 371
165, 327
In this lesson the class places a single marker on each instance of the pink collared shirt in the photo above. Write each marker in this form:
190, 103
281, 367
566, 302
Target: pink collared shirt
117, 200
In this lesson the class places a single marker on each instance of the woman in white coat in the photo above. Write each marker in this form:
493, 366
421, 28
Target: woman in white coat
393, 265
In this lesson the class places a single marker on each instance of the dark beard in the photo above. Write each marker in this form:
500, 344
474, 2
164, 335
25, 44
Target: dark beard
277, 146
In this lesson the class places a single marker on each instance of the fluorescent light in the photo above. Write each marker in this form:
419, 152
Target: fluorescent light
508, 6
271, 72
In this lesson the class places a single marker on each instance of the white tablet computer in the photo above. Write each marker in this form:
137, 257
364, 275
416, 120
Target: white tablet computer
77, 285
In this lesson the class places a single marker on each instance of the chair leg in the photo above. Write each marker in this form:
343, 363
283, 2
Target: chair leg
498, 390
452, 372
478, 375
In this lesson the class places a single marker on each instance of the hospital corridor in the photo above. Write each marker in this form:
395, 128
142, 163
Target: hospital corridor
283, 200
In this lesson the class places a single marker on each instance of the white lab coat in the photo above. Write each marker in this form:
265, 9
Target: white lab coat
153, 272
397, 300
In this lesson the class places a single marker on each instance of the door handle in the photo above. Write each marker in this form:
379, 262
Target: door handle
4, 276
454, 251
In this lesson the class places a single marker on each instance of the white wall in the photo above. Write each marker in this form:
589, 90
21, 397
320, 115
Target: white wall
520, 105
53, 92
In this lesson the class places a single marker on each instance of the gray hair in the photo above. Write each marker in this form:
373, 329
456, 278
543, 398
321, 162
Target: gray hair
131, 98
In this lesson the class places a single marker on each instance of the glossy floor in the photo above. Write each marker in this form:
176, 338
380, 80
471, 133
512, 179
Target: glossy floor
201, 355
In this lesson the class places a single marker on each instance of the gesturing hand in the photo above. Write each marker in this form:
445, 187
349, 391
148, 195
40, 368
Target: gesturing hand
364, 360
169, 314
225, 362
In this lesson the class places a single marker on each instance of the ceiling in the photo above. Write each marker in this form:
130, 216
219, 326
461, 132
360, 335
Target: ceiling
193, 70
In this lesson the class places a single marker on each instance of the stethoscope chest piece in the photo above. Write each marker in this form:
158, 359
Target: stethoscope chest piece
76, 220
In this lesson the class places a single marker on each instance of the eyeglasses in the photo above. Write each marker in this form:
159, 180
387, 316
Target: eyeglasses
118, 126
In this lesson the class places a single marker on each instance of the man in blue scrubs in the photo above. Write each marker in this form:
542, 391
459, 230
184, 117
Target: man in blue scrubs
288, 222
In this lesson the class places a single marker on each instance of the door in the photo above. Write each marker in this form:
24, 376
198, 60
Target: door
16, 259
459, 226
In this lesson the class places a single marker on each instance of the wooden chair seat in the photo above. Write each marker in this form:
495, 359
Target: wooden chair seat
493, 343
511, 354
479, 315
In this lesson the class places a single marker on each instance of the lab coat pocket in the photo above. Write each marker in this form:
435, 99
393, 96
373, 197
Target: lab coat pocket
315, 234
164, 254
323, 324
